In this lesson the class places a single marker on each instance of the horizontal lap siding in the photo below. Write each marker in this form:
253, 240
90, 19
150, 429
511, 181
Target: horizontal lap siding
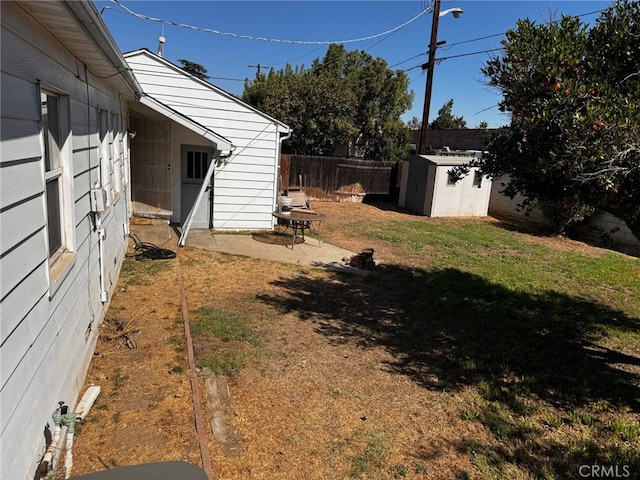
43, 350
245, 186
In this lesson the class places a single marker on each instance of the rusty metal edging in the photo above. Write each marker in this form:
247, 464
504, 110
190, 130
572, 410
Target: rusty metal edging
195, 391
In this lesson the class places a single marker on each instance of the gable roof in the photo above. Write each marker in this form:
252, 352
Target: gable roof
223, 144
282, 127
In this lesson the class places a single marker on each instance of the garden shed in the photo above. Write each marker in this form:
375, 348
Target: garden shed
427, 188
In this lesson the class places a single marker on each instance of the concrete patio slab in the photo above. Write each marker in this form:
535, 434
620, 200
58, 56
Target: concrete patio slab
309, 253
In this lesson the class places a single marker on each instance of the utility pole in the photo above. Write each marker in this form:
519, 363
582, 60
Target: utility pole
258, 67
429, 67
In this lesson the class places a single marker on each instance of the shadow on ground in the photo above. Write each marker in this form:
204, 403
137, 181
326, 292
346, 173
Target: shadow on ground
449, 329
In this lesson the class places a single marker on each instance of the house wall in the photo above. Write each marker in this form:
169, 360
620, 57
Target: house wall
601, 229
245, 187
49, 317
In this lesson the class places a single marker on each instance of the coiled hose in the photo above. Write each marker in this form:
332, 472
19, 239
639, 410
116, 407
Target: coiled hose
149, 251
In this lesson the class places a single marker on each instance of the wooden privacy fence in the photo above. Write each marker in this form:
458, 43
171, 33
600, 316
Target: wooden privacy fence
332, 173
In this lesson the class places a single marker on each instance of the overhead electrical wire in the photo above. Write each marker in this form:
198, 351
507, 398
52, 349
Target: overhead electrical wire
468, 54
265, 39
447, 47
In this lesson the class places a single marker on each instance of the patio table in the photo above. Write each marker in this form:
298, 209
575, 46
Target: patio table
300, 221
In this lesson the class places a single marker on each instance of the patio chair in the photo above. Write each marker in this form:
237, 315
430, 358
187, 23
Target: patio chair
299, 201
298, 198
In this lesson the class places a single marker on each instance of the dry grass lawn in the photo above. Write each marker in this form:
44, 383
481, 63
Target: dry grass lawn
321, 376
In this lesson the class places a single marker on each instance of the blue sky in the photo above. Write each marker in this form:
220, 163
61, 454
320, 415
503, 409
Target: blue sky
297, 32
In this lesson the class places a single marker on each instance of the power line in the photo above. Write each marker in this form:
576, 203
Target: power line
264, 39
446, 47
474, 40
403, 61
468, 54
423, 66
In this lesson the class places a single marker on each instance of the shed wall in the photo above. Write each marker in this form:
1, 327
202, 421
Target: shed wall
462, 199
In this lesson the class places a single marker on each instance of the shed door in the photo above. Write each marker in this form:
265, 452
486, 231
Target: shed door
195, 162
416, 187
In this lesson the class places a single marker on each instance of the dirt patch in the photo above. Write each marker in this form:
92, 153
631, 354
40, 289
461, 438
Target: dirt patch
321, 395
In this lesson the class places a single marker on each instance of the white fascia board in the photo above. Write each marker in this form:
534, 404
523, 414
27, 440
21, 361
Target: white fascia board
89, 18
225, 146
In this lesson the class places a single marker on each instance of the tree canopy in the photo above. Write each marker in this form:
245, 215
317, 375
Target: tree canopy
574, 96
414, 124
194, 69
446, 120
347, 96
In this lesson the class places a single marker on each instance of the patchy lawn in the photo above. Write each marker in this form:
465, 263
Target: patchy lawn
474, 351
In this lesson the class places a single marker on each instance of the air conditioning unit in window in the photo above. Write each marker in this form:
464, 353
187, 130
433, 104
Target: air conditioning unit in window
98, 197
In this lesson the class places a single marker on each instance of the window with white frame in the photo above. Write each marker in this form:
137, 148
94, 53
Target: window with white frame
117, 157
198, 162
105, 153
55, 125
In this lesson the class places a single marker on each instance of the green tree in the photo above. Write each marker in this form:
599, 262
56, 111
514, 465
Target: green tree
194, 69
445, 119
574, 96
345, 96
414, 124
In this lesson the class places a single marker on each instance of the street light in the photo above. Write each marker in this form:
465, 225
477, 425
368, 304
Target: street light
457, 13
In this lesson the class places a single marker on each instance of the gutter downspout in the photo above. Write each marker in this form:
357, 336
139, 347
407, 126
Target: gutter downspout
279, 156
205, 184
104, 295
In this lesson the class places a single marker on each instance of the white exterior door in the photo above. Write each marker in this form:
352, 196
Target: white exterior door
195, 161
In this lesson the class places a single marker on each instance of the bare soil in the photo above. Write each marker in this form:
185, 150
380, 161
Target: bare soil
312, 401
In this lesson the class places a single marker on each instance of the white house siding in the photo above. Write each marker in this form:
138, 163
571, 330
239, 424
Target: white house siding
245, 187
48, 330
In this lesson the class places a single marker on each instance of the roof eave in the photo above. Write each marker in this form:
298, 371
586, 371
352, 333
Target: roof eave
95, 28
224, 145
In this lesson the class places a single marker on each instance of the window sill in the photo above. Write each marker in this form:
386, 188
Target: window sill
59, 270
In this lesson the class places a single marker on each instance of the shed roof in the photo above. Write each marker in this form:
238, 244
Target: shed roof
444, 160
